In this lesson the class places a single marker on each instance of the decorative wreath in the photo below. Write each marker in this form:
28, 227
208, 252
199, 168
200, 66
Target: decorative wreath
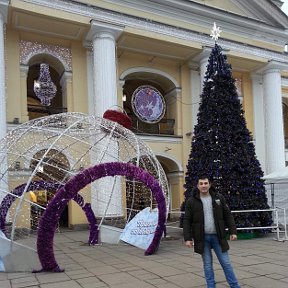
50, 218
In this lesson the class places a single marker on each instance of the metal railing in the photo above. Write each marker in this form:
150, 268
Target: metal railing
163, 127
49, 110
275, 226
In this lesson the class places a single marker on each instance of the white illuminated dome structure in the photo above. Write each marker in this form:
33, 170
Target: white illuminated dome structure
56, 163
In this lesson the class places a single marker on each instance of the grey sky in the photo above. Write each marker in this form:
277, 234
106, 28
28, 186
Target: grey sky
285, 6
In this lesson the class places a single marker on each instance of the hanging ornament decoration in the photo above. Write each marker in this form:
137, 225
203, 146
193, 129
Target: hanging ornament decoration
44, 88
118, 116
148, 104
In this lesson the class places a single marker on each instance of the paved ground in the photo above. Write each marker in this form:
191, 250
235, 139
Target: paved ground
258, 262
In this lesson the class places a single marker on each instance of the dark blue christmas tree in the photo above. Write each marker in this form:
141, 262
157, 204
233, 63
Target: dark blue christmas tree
222, 146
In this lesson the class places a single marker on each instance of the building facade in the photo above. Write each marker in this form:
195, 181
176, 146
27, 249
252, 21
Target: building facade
105, 53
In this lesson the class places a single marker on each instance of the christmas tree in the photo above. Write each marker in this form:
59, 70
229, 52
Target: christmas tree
222, 146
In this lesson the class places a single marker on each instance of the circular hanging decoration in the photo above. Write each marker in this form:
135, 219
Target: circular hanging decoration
148, 104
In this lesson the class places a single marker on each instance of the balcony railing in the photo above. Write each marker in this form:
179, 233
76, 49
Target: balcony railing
47, 110
164, 127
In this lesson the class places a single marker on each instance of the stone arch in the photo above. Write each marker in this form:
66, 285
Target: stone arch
38, 185
48, 58
135, 70
51, 166
56, 68
44, 147
54, 161
32, 54
174, 173
168, 86
173, 163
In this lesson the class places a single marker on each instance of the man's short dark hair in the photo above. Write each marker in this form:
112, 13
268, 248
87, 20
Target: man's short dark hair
203, 176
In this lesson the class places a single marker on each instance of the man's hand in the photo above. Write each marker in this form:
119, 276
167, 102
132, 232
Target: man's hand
189, 244
233, 237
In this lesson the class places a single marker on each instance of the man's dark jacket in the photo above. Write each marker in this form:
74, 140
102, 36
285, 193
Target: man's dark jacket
193, 226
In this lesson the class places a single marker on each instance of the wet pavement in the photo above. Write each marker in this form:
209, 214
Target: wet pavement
258, 262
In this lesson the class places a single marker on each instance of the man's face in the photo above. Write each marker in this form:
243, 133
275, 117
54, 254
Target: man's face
203, 186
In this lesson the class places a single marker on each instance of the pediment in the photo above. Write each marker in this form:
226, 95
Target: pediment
265, 11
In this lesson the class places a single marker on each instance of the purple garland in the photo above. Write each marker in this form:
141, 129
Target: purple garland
50, 218
49, 186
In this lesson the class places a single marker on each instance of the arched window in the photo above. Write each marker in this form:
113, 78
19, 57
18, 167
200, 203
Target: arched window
285, 121
135, 78
35, 108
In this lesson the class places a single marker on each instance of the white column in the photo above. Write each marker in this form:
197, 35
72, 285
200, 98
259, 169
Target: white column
3, 125
3, 118
67, 90
274, 131
258, 115
106, 194
195, 91
103, 36
23, 82
198, 67
203, 58
90, 86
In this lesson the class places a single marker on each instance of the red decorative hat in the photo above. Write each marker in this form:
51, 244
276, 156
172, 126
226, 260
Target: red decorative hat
119, 117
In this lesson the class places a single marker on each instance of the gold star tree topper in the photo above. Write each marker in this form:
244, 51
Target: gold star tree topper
215, 32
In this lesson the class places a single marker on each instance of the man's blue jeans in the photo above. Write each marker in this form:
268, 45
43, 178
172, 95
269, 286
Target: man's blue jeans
211, 242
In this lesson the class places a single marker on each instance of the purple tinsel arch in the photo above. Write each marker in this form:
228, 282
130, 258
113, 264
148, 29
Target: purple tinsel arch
49, 186
48, 221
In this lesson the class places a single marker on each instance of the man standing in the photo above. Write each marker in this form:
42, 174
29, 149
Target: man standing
206, 217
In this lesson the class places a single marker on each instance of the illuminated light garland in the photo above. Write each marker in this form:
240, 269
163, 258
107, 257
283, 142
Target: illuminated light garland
39, 185
33, 145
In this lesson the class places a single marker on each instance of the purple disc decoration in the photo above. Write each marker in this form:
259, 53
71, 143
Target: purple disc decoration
148, 104
48, 221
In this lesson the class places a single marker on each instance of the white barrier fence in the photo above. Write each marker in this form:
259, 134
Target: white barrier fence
275, 226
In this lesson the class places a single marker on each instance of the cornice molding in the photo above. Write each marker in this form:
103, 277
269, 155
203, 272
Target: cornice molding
272, 66
198, 14
99, 27
121, 19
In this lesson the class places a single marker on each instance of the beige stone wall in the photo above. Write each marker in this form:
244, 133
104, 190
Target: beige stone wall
13, 76
179, 106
